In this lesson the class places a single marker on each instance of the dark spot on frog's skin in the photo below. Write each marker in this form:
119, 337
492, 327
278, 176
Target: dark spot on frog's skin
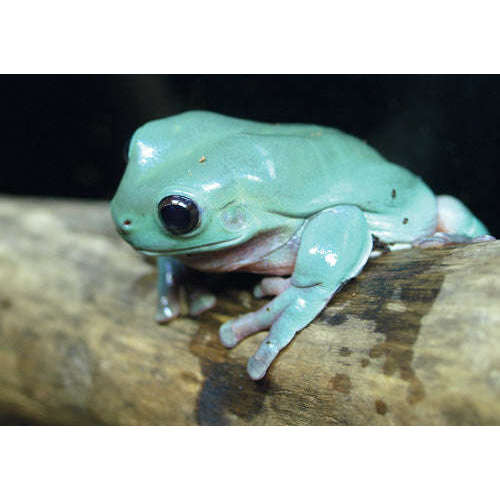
405, 220
268, 309
341, 383
365, 362
345, 351
393, 194
380, 407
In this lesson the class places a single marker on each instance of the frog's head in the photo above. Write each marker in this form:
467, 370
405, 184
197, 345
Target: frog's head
180, 192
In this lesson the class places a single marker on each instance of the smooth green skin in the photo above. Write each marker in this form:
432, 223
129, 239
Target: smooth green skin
329, 189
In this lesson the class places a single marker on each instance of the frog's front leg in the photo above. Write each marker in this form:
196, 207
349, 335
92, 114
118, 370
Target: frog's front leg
171, 276
335, 246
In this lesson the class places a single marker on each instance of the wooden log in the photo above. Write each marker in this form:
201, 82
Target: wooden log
415, 339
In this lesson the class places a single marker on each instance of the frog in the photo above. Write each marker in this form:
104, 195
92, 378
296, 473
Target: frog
303, 205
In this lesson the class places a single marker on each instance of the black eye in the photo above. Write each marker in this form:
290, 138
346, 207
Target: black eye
179, 214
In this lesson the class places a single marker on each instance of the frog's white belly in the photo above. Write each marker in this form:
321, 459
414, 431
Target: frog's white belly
272, 253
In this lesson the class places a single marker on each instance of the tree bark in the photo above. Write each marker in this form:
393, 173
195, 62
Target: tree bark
415, 339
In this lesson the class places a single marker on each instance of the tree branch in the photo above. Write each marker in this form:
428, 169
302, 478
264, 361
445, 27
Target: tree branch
415, 339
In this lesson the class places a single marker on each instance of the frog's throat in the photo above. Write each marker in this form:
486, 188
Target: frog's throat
247, 255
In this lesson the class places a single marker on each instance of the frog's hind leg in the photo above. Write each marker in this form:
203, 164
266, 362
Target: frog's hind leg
456, 224
455, 218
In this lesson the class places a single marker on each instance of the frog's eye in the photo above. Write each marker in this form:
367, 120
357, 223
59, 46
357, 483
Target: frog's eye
178, 214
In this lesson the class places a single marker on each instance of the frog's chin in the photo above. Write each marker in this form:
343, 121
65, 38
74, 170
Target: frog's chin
208, 247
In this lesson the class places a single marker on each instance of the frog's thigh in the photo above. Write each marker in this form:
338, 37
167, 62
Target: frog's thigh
454, 218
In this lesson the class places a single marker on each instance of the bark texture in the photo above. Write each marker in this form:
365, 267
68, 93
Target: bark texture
415, 339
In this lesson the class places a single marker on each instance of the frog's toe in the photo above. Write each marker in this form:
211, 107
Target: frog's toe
166, 312
227, 335
271, 286
301, 306
235, 330
440, 239
485, 237
200, 302
259, 363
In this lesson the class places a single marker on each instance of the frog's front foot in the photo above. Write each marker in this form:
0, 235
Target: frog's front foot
171, 292
289, 312
335, 246
167, 310
170, 306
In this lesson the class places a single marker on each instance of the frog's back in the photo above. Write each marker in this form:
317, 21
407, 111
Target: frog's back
318, 167
310, 168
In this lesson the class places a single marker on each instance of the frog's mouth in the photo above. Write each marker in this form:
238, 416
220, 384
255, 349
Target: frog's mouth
182, 251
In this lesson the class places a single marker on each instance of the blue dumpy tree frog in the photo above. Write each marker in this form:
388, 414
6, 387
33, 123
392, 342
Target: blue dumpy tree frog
302, 204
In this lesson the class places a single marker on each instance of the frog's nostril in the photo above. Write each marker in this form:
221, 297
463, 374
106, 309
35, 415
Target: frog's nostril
124, 226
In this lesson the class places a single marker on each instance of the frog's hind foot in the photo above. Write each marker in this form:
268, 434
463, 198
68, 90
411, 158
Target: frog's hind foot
456, 224
438, 240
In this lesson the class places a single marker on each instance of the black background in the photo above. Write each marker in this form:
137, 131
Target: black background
64, 135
